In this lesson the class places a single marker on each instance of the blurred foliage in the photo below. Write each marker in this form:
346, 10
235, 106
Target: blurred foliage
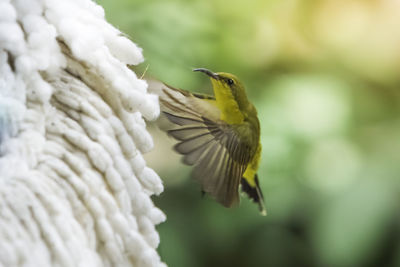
324, 76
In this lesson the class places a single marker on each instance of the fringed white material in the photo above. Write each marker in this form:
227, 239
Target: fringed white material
74, 187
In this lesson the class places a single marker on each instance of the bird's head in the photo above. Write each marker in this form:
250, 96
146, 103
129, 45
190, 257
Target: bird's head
227, 84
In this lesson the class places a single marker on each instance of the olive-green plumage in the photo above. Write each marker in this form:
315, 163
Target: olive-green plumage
219, 135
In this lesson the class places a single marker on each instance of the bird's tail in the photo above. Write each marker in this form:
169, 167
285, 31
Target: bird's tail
254, 194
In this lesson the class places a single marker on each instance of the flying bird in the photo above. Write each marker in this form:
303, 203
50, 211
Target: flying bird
219, 135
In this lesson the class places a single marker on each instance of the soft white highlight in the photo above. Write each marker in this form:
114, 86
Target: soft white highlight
74, 187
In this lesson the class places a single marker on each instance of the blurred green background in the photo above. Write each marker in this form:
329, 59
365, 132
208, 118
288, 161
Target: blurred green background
325, 77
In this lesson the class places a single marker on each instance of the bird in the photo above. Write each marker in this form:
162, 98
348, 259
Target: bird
219, 135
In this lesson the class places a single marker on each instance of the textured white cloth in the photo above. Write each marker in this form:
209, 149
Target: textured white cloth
74, 187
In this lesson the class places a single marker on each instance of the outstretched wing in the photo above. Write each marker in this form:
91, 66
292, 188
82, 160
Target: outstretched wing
214, 147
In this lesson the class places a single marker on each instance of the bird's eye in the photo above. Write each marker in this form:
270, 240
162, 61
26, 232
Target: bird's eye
230, 81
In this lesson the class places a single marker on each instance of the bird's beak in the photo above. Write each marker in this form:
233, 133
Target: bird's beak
208, 72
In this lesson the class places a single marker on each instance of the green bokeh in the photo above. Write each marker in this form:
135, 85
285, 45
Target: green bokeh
324, 76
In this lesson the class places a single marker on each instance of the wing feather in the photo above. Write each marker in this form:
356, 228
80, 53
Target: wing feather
180, 120
191, 132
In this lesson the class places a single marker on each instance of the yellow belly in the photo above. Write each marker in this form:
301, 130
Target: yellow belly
252, 168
